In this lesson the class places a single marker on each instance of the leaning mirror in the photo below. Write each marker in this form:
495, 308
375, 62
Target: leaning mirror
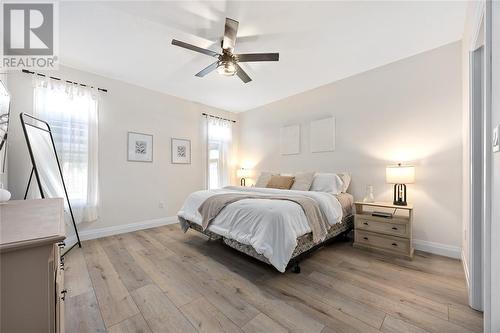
46, 171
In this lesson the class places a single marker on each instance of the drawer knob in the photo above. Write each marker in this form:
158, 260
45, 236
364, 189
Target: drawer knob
365, 223
61, 244
365, 238
394, 244
394, 228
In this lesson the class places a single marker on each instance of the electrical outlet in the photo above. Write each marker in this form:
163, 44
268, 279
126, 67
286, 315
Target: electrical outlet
496, 139
161, 204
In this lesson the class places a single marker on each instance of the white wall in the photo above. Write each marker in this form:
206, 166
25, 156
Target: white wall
130, 191
409, 111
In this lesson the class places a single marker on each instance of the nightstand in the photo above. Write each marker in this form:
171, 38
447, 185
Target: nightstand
389, 235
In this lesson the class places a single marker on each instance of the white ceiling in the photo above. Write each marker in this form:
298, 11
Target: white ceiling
319, 42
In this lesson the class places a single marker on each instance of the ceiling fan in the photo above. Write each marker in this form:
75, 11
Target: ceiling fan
227, 62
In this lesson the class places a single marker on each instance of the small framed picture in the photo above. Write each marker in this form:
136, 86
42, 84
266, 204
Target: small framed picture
140, 147
181, 151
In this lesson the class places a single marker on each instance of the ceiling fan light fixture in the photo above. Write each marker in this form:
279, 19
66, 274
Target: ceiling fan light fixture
227, 62
227, 68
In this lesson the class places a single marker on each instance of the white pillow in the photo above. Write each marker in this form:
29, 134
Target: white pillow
303, 181
346, 179
327, 182
263, 179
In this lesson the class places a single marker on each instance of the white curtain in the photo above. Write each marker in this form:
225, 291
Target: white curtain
72, 112
217, 152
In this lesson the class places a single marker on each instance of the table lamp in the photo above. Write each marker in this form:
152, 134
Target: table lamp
400, 175
243, 173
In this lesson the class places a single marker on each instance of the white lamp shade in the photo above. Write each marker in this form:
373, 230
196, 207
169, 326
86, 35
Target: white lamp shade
400, 174
243, 173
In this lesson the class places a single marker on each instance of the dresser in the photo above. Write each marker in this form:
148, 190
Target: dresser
31, 276
390, 235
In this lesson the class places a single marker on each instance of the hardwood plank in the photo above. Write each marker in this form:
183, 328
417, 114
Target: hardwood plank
423, 284
114, 300
206, 318
275, 308
160, 313
444, 270
365, 312
131, 274
394, 325
158, 247
396, 309
227, 300
83, 314
77, 279
224, 262
135, 324
165, 274
382, 288
130, 242
180, 249
466, 317
263, 324
327, 309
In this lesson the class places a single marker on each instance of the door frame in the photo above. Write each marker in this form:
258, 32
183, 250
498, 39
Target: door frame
476, 176
479, 161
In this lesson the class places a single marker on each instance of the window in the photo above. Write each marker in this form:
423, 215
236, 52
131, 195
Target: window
219, 146
71, 112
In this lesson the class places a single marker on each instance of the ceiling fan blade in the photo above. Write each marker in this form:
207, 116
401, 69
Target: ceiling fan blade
242, 75
230, 31
194, 48
207, 70
250, 57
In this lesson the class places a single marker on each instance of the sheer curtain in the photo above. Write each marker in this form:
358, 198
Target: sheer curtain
218, 148
72, 112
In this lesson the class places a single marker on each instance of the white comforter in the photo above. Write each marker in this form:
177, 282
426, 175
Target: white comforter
271, 227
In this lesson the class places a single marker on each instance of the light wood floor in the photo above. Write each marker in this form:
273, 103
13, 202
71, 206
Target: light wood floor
161, 280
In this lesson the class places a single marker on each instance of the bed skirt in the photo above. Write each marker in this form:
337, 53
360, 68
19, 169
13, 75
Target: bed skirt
304, 243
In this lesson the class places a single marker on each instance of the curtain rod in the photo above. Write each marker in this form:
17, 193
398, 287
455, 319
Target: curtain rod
212, 116
59, 79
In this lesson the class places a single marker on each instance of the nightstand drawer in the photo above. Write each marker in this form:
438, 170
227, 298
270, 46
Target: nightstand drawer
400, 230
396, 244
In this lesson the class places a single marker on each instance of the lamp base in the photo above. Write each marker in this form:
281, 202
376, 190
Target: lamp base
400, 195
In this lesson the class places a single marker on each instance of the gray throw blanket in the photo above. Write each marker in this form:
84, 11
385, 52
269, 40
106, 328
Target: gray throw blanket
316, 219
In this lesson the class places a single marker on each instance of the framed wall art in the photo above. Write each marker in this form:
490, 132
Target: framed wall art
140, 147
181, 151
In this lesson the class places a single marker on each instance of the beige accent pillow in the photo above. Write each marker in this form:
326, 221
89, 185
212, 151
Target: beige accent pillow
281, 182
303, 181
263, 179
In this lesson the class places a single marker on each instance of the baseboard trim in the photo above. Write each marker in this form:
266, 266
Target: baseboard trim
438, 248
120, 229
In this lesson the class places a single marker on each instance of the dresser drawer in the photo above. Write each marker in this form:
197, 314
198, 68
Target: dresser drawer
393, 244
389, 228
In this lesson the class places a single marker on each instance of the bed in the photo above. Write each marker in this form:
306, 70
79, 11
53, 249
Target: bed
273, 231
